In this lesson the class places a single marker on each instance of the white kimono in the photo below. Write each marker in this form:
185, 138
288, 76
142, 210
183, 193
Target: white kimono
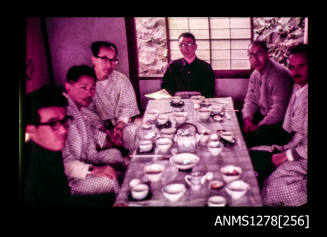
287, 185
79, 153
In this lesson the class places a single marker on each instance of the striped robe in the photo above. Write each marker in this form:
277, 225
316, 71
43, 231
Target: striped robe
287, 185
115, 100
80, 152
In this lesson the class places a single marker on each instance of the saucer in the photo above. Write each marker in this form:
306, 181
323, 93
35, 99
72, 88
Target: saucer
166, 125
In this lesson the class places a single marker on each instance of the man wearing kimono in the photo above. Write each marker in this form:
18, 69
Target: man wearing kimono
114, 100
287, 185
89, 171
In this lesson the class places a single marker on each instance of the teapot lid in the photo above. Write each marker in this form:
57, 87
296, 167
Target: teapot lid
186, 129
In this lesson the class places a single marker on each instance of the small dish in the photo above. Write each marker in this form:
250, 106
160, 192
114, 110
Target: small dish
216, 184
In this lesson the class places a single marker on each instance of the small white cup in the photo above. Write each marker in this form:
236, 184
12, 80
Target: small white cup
214, 148
145, 145
140, 191
204, 113
163, 144
180, 117
154, 171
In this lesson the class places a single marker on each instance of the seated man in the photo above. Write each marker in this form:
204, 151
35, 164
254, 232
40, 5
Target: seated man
88, 171
43, 177
266, 100
114, 100
189, 74
287, 184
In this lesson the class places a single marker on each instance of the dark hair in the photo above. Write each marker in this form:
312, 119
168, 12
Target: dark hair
300, 49
95, 47
260, 43
188, 35
75, 72
47, 96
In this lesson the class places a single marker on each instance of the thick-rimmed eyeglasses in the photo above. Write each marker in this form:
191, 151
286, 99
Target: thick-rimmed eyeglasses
55, 125
188, 44
106, 59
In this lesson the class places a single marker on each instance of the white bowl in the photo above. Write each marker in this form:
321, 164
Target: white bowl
216, 201
173, 192
145, 145
214, 147
164, 143
231, 173
154, 171
184, 161
180, 117
140, 191
237, 189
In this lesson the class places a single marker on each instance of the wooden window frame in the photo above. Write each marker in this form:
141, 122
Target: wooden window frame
134, 63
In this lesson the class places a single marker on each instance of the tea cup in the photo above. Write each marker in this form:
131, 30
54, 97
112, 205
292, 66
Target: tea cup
145, 145
153, 172
204, 113
163, 144
140, 191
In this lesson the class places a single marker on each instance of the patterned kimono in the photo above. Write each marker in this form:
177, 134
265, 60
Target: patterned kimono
80, 153
287, 185
115, 100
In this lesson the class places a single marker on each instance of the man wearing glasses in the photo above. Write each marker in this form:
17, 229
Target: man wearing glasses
114, 100
43, 176
189, 74
266, 100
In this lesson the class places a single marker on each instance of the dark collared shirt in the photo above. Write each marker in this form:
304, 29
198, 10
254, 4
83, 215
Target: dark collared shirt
196, 76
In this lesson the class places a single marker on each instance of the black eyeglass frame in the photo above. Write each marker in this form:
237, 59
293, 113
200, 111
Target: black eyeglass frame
55, 125
112, 60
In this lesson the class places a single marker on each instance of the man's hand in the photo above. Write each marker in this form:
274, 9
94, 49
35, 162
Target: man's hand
279, 158
105, 171
248, 126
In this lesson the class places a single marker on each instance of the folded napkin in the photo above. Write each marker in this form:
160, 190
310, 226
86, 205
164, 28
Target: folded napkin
158, 95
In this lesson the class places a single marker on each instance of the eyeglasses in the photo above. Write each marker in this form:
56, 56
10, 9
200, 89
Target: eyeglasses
188, 44
106, 59
55, 125
256, 55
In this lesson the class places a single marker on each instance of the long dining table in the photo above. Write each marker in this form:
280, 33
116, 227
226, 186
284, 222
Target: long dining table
235, 154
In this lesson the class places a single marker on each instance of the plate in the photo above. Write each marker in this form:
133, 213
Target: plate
184, 161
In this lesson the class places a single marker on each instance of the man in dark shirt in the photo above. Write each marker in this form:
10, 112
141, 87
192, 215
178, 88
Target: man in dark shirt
189, 74
43, 179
